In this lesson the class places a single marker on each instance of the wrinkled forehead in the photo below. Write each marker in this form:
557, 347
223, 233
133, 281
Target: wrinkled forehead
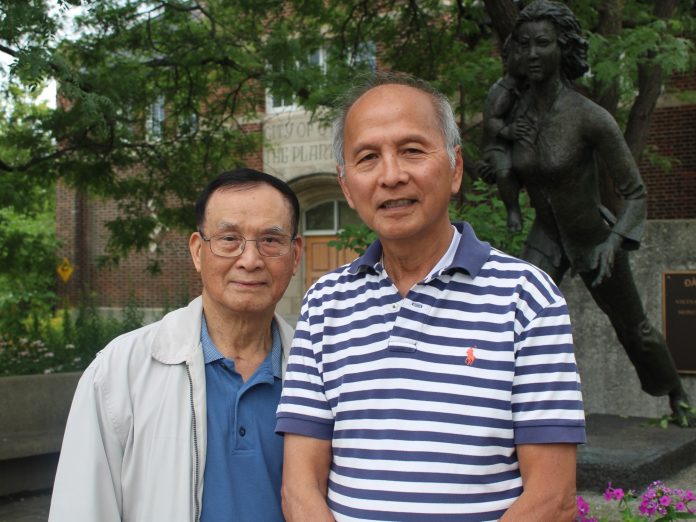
240, 204
390, 101
391, 92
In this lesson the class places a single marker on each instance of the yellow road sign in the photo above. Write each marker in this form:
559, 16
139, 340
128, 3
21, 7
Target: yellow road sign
65, 270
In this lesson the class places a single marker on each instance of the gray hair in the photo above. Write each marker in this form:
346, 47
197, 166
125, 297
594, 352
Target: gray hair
443, 111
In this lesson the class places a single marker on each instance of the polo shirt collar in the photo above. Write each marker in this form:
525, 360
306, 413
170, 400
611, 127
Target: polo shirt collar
211, 353
470, 255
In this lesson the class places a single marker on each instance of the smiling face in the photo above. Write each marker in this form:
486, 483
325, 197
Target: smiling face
397, 173
248, 283
538, 46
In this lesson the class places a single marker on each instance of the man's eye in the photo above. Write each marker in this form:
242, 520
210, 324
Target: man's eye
367, 157
230, 239
412, 151
271, 240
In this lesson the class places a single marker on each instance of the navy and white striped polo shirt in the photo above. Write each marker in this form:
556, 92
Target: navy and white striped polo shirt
425, 397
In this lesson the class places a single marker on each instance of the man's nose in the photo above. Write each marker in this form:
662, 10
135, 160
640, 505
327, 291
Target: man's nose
250, 256
393, 171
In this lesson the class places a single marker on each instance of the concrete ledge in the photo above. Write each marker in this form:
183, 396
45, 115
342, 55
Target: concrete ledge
28, 474
33, 414
631, 453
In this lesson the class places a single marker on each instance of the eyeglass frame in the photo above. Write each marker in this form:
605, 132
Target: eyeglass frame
243, 245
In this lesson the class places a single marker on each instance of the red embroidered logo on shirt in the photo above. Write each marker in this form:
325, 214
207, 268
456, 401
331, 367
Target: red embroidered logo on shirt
470, 356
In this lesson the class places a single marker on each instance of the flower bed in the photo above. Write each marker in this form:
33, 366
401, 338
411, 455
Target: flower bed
658, 503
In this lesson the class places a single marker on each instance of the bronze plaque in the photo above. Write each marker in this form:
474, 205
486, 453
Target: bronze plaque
679, 318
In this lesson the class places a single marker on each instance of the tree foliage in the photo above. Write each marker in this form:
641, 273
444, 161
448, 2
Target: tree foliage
208, 65
27, 224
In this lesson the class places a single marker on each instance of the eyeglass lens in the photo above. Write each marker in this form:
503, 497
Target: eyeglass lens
232, 245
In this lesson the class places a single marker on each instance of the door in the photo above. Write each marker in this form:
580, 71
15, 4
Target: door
321, 258
321, 225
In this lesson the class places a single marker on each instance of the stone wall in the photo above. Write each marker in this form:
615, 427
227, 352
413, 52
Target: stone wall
609, 382
33, 414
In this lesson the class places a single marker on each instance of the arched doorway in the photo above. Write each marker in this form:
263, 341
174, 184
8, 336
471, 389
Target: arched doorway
324, 213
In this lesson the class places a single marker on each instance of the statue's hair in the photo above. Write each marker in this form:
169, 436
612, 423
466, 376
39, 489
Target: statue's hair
573, 45
443, 110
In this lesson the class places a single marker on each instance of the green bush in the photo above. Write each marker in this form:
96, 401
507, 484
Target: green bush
486, 213
64, 342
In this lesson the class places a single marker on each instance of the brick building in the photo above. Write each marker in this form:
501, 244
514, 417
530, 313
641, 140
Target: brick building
672, 194
298, 151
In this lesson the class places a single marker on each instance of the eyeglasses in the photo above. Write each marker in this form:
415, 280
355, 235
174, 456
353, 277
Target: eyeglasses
232, 245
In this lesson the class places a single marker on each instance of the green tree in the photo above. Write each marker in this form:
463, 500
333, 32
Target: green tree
27, 224
206, 67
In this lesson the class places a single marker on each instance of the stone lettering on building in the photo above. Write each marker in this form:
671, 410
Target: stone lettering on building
294, 145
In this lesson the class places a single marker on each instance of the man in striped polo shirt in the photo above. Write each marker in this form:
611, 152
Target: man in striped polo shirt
432, 379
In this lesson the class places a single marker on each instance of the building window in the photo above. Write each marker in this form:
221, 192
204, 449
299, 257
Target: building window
154, 124
282, 102
365, 55
187, 124
329, 218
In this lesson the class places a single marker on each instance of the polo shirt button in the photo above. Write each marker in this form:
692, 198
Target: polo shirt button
242, 431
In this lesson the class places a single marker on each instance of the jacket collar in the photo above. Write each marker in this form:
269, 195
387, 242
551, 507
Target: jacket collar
178, 337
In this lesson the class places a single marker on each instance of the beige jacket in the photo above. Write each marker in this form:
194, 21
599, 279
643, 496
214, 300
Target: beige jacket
135, 443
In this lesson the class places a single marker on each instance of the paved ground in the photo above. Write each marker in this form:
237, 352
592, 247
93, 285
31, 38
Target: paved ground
34, 508
627, 440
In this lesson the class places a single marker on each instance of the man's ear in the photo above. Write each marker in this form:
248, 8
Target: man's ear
297, 254
458, 173
195, 246
344, 187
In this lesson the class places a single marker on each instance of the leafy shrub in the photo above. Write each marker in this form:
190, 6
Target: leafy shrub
64, 342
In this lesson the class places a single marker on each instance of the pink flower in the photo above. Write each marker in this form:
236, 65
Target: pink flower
608, 492
647, 508
583, 506
689, 496
665, 500
680, 506
618, 494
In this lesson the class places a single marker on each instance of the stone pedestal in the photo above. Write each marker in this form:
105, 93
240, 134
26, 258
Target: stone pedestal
631, 452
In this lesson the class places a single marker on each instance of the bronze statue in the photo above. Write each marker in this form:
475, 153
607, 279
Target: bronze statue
560, 140
499, 133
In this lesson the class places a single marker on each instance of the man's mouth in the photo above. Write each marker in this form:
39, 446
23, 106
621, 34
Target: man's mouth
397, 203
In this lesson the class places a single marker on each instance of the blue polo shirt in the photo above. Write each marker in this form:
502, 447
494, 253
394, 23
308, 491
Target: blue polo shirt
244, 458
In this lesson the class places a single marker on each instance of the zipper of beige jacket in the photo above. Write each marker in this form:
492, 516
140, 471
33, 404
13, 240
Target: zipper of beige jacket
195, 447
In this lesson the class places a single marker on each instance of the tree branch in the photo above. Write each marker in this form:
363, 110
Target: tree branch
650, 78
8, 50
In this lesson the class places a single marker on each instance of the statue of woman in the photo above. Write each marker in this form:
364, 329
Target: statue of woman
561, 140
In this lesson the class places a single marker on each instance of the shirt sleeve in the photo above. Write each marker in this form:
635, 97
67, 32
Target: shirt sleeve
546, 393
304, 408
